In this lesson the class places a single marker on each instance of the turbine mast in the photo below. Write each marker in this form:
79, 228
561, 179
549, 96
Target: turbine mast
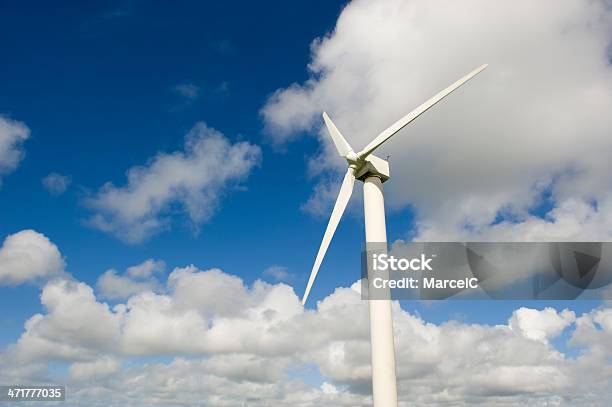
373, 171
384, 382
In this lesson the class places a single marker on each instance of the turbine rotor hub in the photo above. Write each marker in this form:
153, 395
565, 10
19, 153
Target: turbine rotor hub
353, 159
372, 166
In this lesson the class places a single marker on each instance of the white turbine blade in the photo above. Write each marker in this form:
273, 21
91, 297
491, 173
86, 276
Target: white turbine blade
398, 125
343, 197
343, 147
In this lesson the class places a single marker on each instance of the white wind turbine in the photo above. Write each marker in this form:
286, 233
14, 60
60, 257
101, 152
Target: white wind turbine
373, 171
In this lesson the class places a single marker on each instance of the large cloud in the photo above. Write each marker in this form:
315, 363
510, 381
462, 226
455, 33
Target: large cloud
535, 124
193, 180
28, 256
258, 346
12, 135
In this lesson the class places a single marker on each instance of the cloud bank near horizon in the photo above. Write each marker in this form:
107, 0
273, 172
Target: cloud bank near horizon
530, 132
206, 336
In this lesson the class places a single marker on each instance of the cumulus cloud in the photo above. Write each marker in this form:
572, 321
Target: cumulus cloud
594, 331
75, 326
237, 344
190, 181
56, 183
534, 124
112, 285
540, 325
28, 256
12, 136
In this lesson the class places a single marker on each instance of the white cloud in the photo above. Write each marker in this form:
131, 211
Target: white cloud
137, 279
113, 286
192, 181
75, 326
56, 183
540, 325
537, 119
243, 343
153, 326
146, 268
28, 256
88, 371
212, 291
594, 331
328, 388
12, 136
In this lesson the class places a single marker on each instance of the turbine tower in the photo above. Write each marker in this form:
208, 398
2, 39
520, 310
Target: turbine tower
373, 171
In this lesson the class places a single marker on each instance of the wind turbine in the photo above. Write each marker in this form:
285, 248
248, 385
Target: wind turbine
373, 171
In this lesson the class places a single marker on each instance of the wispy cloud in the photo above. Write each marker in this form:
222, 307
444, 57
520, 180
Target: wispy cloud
56, 183
12, 135
222, 89
187, 90
278, 273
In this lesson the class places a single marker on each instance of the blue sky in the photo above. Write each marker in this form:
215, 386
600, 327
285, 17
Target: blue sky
97, 92
108, 87
97, 85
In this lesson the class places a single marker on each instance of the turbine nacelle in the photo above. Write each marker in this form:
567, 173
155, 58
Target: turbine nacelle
370, 165
373, 166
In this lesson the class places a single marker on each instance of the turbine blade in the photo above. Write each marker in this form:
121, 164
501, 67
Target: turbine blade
343, 197
398, 125
343, 147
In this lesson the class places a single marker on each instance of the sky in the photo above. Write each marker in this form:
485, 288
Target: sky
102, 88
165, 169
